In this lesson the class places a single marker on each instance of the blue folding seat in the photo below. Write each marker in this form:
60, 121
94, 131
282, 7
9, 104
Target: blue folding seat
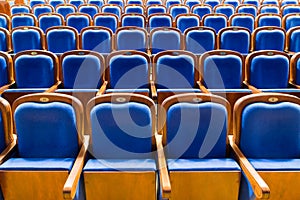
195, 129
50, 145
120, 3
135, 2
230, 38
5, 21
108, 20
185, 21
169, 3
288, 2
234, 3
290, 8
225, 9
268, 38
98, 3
96, 38
36, 2
123, 146
212, 3
112, 8
295, 71
201, 9
153, 9
76, 3
247, 9
153, 2
198, 40
215, 21
159, 20
27, 38
20, 8
42, 8
268, 19
265, 140
191, 3
23, 19
54, 3
292, 40
60, 39
291, 20
165, 38
242, 20
269, 8
78, 20
137, 20
134, 9
131, 38
5, 40
6, 75
90, 9
65, 9
48, 20
175, 10
256, 3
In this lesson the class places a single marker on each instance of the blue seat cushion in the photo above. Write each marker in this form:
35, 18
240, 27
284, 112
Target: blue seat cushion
224, 164
120, 165
183, 90
38, 164
275, 164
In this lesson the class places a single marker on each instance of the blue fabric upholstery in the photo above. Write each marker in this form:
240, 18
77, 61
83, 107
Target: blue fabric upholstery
224, 164
78, 22
131, 40
38, 164
191, 3
135, 2
160, 21
54, 3
19, 9
226, 10
234, 3
82, 72
36, 2
270, 130
106, 21
98, 40
270, 2
248, 9
292, 21
298, 72
231, 40
290, 9
175, 72
276, 164
269, 20
65, 10
34, 71
196, 130
165, 40
96, 2
48, 21
120, 165
153, 10
287, 2
185, 22
223, 72
133, 20
112, 9
243, 21
134, 9
121, 131
26, 39
272, 9
172, 2
116, 2
176, 10
46, 130
128, 72
2, 135
269, 72
76, 3
17, 21
202, 10
3, 72
3, 41
3, 22
40, 10
61, 40
200, 41
153, 2
215, 22
212, 3
90, 10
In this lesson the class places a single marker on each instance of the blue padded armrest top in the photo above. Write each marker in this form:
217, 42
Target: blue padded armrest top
276, 164
38, 164
120, 165
226, 164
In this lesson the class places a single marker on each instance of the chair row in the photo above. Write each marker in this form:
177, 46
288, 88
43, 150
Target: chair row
190, 153
198, 40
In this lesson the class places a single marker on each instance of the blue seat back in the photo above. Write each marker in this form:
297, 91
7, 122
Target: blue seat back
248, 10
291, 20
3, 22
294, 41
175, 10
234, 3
19, 9
154, 2
91, 10
54, 3
133, 20
191, 3
256, 3
135, 2
64, 10
98, 3
297, 80
107, 20
229, 38
97, 39
184, 22
3, 40
201, 10
131, 38
269, 39
47, 21
243, 20
76, 3
290, 9
225, 9
134, 9
22, 20
26, 39
212, 3
114, 9
36, 2
169, 3
41, 9
269, 20
159, 20
61, 39
4, 73
216, 22
78, 21
270, 9
116, 2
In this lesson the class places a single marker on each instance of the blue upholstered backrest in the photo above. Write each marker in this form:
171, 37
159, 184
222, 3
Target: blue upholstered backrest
223, 72
243, 21
234, 3
248, 9
3, 72
121, 130
196, 130
90, 10
153, 2
17, 21
215, 22
65, 10
26, 39
3, 22
292, 21
54, 3
252, 2
135, 2
154, 9
175, 72
40, 10
47, 21
172, 2
231, 40
97, 40
2, 134
160, 21
286, 2
76, 3
165, 40
185, 22
270, 2
176, 10
116, 2
82, 71
202, 10
128, 72
270, 21
226, 10
35, 2
78, 22
290, 9
134, 9
212, 3
131, 40
270, 130
61, 40
34, 71
269, 71
200, 41
191, 3
46, 130
298, 72
133, 20
19, 9
270, 40
112, 9
3, 41
106, 21
96, 2
273, 9
294, 44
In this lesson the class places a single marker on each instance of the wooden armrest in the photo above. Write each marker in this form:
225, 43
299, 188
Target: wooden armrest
259, 186
53, 87
294, 85
102, 89
153, 90
8, 150
162, 167
70, 186
252, 88
202, 88
5, 87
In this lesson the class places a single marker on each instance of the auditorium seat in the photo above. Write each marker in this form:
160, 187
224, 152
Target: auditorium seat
134, 8
32, 3
234, 3
191, 3
195, 129
90, 9
130, 19
5, 38
108, 20
269, 8
135, 2
158, 20
120, 3
153, 2
42, 8
295, 71
78, 20
270, 2
201, 9
5, 21
268, 19
169, 3
216, 21
112, 8
290, 8
288, 2
176, 9
54, 3
23, 19
212, 3
247, 9
242, 20
152, 9
20, 8
292, 40
256, 3
76, 3
98, 3
291, 20
50, 147
185, 21
65, 9
48, 20
6, 68
225, 9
